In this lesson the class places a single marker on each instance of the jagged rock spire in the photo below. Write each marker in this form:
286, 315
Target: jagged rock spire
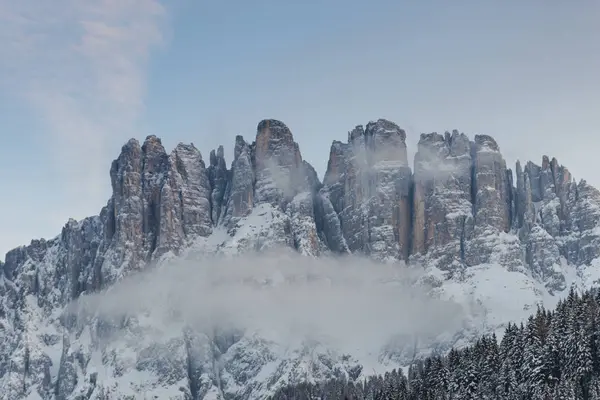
457, 210
370, 201
368, 184
218, 177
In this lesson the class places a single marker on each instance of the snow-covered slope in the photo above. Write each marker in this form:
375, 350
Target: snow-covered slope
179, 287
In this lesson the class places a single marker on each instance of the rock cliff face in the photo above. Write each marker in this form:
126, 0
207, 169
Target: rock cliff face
443, 197
368, 185
460, 208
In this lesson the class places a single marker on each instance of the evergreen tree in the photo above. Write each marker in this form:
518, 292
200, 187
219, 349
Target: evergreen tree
532, 367
554, 356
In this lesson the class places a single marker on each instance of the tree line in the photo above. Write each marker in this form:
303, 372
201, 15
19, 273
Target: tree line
553, 356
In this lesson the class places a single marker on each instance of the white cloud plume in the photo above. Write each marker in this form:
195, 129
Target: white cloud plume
350, 303
81, 66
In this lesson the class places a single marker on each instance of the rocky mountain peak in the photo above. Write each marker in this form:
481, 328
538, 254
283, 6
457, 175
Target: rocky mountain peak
279, 172
238, 195
216, 157
275, 143
433, 141
185, 147
457, 211
274, 129
442, 197
486, 143
357, 133
387, 142
129, 159
370, 201
239, 147
368, 184
335, 163
382, 139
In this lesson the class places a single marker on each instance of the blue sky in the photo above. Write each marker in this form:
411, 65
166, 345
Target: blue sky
77, 79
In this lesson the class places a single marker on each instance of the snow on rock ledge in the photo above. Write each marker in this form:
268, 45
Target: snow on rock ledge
481, 239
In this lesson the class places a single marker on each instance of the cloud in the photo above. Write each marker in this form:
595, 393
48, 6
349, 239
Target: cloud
81, 66
348, 302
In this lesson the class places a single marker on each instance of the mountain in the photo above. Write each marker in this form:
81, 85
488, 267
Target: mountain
493, 240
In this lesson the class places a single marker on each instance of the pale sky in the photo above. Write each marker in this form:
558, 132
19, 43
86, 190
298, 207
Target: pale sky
79, 78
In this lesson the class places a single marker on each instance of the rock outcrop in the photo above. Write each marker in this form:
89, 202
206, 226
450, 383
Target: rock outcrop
279, 169
239, 192
368, 184
460, 208
443, 192
218, 177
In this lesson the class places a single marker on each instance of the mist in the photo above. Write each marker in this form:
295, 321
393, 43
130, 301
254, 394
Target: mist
350, 303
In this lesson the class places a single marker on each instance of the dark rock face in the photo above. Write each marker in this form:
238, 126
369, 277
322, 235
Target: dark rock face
368, 184
185, 200
549, 208
271, 172
279, 170
460, 197
461, 207
218, 176
159, 202
583, 243
443, 209
493, 207
493, 191
239, 194
467, 211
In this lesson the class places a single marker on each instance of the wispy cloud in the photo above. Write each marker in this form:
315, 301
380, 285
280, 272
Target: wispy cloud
81, 65
287, 298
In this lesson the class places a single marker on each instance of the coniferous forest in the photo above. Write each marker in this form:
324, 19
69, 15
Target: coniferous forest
553, 356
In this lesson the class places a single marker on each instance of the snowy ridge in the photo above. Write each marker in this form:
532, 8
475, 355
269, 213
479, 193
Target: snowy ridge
155, 316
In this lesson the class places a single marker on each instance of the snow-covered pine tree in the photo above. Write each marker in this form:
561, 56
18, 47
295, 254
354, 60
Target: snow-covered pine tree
554, 356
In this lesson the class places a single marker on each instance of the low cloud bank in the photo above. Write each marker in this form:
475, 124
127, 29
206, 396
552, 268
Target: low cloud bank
349, 302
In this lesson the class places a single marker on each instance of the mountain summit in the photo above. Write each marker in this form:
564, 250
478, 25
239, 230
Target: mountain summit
458, 212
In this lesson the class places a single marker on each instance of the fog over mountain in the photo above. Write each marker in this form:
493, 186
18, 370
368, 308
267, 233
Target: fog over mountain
203, 279
350, 303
